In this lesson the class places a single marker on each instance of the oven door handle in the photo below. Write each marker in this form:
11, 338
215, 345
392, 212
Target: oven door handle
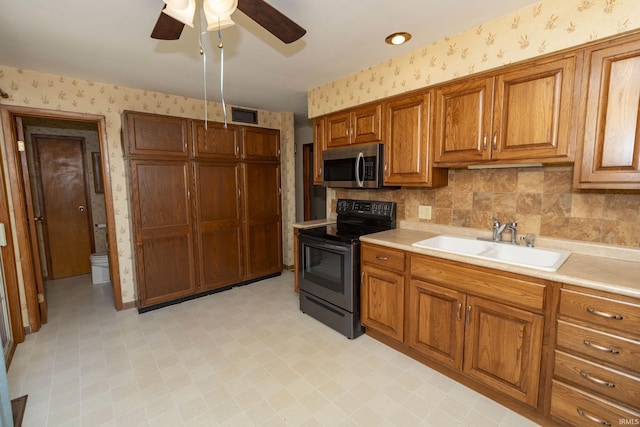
359, 160
322, 244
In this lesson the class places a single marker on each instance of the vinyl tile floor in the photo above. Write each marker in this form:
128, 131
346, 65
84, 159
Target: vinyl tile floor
242, 357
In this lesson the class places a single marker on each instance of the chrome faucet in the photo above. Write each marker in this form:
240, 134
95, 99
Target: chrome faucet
498, 229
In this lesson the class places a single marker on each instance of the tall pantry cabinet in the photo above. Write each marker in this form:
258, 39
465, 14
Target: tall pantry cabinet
205, 205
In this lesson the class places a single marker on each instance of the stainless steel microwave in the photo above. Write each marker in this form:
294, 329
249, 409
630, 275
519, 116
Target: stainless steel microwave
358, 166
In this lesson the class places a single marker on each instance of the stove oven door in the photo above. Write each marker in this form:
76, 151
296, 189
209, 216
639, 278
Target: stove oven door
330, 271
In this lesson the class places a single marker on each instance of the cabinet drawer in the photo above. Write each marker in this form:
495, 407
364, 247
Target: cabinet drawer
612, 349
383, 257
600, 311
583, 409
614, 384
498, 286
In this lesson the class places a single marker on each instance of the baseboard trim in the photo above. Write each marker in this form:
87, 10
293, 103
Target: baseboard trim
128, 305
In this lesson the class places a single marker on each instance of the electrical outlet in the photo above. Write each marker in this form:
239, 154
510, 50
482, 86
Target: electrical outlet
424, 212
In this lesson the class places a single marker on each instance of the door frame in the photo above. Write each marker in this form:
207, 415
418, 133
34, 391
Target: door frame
15, 185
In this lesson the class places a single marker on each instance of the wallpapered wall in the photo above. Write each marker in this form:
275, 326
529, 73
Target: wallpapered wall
542, 200
542, 28
37, 90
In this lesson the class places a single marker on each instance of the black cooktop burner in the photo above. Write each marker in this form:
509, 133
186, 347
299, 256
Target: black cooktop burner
356, 218
330, 232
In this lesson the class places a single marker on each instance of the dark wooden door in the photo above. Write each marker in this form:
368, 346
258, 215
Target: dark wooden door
163, 230
68, 236
219, 219
263, 219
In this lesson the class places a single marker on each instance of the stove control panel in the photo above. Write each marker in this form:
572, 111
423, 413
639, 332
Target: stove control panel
366, 207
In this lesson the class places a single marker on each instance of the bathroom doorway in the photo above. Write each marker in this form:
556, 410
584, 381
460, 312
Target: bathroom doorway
20, 124
62, 201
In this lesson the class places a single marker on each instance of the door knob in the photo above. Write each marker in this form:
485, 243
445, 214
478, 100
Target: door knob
81, 208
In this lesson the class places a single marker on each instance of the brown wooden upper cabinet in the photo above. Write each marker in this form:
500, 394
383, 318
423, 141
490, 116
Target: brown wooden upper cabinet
318, 148
216, 141
408, 152
520, 115
356, 126
156, 135
610, 127
261, 143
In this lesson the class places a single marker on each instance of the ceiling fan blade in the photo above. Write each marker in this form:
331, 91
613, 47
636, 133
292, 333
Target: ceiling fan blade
167, 28
272, 20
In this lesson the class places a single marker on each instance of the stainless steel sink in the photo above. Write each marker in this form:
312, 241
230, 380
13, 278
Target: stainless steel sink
538, 258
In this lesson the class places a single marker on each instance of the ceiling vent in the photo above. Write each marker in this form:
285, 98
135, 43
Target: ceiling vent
244, 116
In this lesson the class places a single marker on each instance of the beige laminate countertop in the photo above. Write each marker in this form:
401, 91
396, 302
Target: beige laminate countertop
618, 274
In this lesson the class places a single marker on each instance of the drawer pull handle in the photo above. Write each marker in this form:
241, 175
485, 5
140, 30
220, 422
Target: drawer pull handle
601, 348
592, 418
603, 314
583, 374
382, 258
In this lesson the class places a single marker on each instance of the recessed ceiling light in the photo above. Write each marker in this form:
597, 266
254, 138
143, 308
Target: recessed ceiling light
398, 38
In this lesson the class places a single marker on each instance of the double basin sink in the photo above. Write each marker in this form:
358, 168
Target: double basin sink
523, 256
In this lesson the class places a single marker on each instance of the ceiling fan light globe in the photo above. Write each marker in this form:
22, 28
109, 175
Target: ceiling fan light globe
214, 24
219, 7
181, 10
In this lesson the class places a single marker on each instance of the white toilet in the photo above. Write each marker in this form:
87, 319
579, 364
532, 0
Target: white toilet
99, 268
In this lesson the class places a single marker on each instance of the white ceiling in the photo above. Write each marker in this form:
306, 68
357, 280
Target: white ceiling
108, 41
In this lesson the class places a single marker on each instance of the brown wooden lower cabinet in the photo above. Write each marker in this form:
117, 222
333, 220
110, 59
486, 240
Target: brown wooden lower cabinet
485, 328
490, 341
578, 408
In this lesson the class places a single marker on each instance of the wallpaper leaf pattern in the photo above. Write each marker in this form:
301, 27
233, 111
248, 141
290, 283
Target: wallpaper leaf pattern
38, 90
542, 28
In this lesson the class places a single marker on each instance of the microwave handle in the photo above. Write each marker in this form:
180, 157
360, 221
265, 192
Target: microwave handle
358, 160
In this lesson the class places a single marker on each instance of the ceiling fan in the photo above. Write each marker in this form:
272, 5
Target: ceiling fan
176, 13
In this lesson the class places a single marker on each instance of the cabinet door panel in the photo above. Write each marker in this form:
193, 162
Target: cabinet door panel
366, 122
155, 135
219, 221
163, 230
503, 348
261, 144
436, 322
263, 223
382, 302
166, 273
533, 112
406, 147
216, 141
338, 128
318, 148
463, 121
611, 157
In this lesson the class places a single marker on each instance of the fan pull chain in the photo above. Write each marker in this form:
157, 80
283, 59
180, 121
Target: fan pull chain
221, 46
204, 74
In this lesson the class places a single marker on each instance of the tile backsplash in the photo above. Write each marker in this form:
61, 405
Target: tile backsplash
541, 200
